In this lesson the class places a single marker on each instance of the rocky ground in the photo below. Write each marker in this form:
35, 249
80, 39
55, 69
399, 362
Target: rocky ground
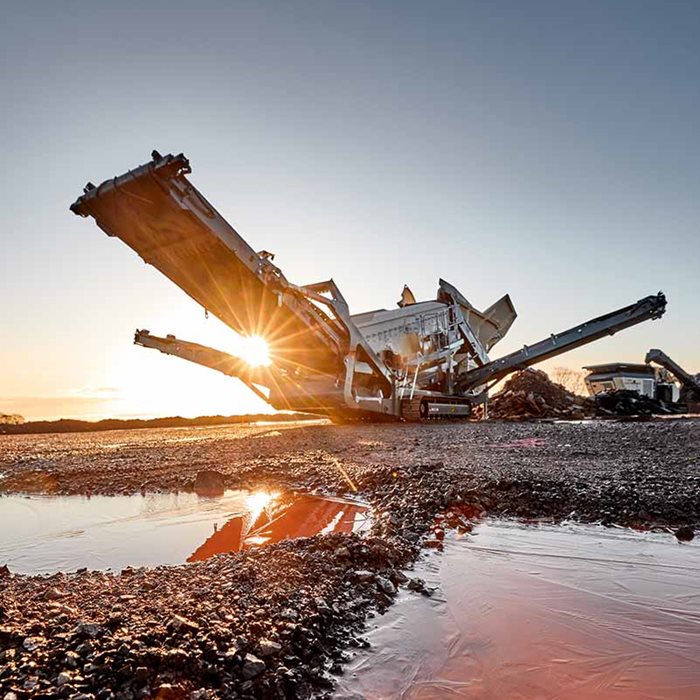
277, 622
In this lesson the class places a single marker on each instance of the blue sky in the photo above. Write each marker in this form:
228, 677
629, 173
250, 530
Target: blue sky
547, 149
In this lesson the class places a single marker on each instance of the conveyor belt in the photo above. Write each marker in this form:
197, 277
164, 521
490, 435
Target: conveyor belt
651, 307
158, 213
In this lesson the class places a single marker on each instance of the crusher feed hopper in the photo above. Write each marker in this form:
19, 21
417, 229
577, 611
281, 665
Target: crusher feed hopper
421, 360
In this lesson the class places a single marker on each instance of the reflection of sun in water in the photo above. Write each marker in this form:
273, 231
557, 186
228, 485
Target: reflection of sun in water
254, 350
257, 501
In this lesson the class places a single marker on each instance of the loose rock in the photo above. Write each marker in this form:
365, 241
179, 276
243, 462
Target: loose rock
252, 666
268, 648
684, 534
209, 482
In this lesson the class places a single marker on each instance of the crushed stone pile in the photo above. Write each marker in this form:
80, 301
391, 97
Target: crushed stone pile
532, 394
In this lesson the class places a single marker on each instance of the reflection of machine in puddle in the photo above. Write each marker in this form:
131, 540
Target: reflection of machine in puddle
525, 613
46, 534
283, 518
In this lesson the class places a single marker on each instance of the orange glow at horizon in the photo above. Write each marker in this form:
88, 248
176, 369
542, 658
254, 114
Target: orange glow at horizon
149, 383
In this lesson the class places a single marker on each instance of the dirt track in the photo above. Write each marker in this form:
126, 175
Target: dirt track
119, 636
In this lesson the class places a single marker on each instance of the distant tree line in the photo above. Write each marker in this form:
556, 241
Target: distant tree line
11, 419
572, 380
65, 425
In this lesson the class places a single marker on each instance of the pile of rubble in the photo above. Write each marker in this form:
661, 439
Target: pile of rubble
532, 394
631, 403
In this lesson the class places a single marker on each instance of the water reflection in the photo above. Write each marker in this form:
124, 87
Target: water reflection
46, 534
273, 518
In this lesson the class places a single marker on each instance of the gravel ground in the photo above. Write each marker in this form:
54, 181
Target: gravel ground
277, 622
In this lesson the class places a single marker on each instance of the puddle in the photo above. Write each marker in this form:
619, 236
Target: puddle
46, 534
527, 613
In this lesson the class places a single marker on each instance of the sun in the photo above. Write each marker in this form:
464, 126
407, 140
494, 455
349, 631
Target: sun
254, 350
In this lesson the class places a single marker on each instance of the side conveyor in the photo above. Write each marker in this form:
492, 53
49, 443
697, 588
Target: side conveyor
232, 366
650, 307
685, 378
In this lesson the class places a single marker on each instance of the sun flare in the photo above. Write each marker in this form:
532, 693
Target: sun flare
253, 350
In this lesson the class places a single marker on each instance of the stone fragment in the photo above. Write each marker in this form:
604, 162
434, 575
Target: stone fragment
289, 614
416, 584
267, 647
386, 586
363, 576
72, 659
54, 594
63, 678
32, 643
252, 666
684, 534
180, 623
88, 629
209, 482
321, 605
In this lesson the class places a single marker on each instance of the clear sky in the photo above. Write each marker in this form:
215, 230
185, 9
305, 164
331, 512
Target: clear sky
546, 149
